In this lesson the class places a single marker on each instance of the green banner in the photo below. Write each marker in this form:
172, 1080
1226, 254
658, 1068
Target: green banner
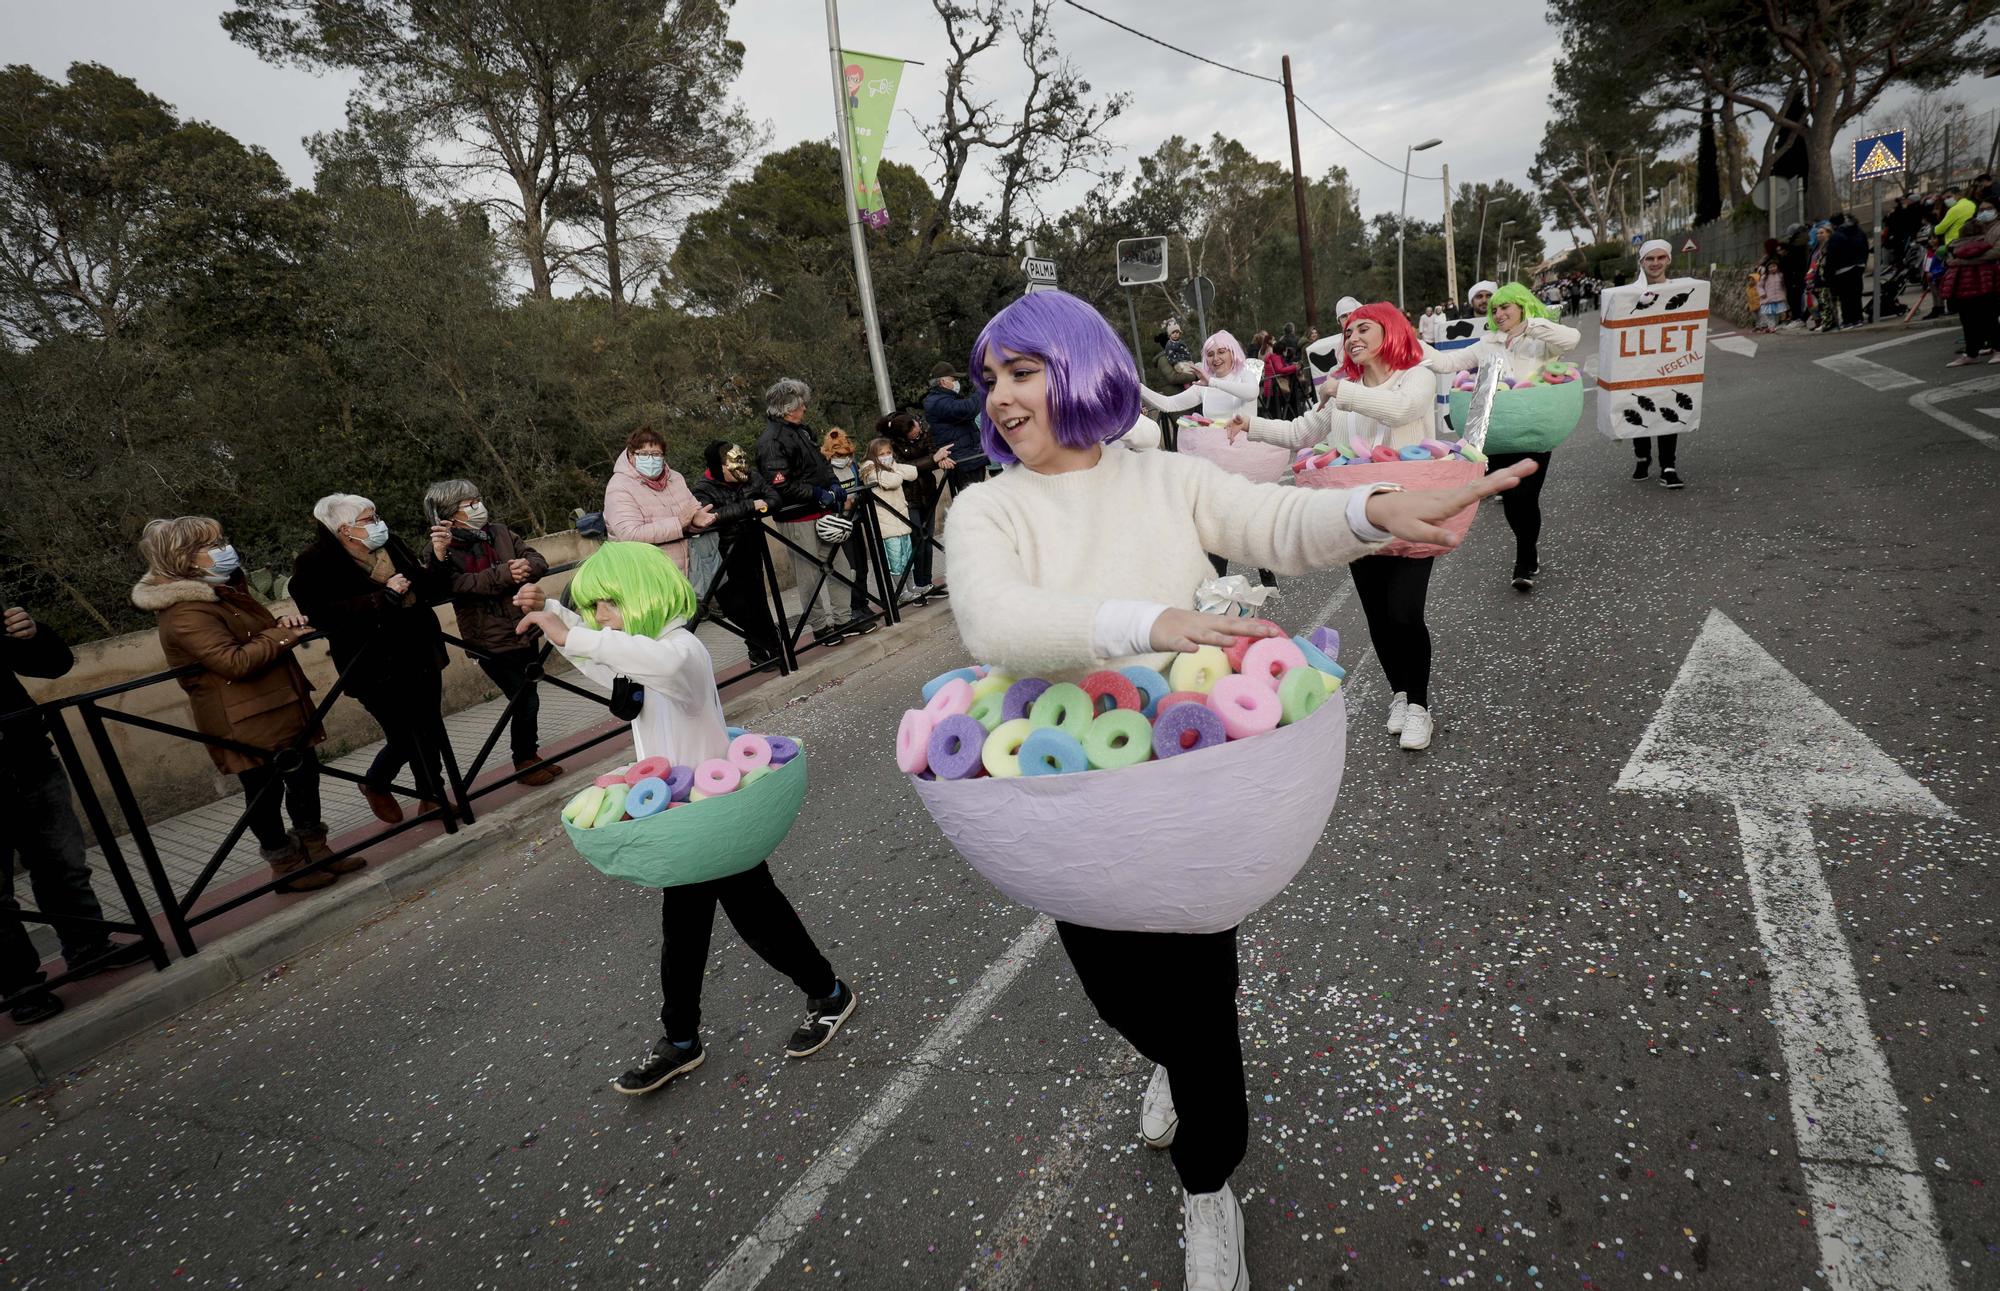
869, 83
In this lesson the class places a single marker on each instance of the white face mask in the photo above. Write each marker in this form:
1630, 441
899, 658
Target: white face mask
475, 515
1985, 214
842, 460
375, 533
651, 465
226, 563
887, 461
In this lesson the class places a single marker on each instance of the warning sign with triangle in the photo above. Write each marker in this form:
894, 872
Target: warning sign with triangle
1877, 156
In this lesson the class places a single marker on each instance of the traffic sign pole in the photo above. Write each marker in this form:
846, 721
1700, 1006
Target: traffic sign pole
1132, 311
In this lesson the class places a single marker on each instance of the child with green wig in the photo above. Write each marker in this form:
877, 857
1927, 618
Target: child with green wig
638, 607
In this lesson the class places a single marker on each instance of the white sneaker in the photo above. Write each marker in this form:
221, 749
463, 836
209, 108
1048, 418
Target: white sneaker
1213, 1232
1398, 707
1157, 1118
1417, 727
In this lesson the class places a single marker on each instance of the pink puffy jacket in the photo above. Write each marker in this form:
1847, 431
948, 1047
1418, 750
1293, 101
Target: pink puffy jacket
634, 512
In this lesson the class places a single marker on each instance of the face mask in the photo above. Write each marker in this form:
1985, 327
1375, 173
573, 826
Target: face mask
842, 460
377, 532
226, 564
1984, 215
888, 461
475, 516
651, 465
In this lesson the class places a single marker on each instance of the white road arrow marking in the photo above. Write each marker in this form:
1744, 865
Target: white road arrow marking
1736, 725
1927, 401
1876, 376
1735, 344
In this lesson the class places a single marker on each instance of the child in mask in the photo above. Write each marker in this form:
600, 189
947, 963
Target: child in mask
639, 604
886, 476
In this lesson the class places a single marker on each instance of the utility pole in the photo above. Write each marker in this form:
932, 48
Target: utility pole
1299, 200
1450, 251
863, 280
1478, 256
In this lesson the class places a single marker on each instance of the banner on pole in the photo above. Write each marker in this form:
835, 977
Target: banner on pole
869, 81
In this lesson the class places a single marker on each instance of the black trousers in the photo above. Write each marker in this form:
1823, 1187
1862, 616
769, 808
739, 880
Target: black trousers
409, 715
1522, 505
510, 673
1264, 576
1173, 995
920, 542
761, 916
1980, 317
297, 791
1848, 287
1642, 448
40, 834
1393, 590
739, 591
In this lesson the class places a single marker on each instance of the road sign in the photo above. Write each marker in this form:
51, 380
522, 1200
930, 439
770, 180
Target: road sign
1039, 270
1037, 285
1141, 261
1638, 239
1690, 245
1871, 1200
1878, 156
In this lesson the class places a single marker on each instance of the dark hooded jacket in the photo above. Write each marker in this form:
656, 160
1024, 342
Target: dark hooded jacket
733, 504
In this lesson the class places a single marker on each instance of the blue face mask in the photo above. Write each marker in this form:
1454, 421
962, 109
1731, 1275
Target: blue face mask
378, 533
226, 564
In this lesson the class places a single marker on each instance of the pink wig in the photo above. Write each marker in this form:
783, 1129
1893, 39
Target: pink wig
1401, 349
1227, 342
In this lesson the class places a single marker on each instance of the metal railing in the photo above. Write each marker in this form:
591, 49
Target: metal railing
452, 794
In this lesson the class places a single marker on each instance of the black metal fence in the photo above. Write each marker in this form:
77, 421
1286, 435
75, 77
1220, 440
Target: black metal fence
446, 797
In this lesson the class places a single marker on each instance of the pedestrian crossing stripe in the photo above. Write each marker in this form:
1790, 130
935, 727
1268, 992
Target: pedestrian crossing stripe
1880, 161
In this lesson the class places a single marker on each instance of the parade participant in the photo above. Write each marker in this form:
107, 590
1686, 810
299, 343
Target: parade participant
1655, 256
1228, 384
1384, 395
1522, 333
1478, 298
639, 604
1079, 557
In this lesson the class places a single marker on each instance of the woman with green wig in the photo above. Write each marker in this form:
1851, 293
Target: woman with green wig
1522, 332
638, 604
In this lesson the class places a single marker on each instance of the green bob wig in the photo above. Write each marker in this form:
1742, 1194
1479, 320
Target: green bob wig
1515, 294
649, 589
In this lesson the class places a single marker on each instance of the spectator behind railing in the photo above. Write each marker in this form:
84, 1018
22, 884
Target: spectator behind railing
648, 501
740, 498
372, 598
487, 562
954, 420
915, 447
890, 480
788, 455
838, 450
39, 832
250, 688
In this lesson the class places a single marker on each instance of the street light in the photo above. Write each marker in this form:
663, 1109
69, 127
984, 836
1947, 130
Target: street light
1403, 214
1498, 239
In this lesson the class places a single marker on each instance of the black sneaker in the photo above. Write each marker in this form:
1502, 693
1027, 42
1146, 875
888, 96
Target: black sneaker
1643, 469
106, 958
862, 627
829, 638
1671, 478
823, 1020
666, 1061
1524, 579
36, 1008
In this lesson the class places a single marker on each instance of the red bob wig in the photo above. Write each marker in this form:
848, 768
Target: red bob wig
1401, 349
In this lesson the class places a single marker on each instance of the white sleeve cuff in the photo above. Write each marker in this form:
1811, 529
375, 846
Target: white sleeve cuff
1357, 514
1124, 628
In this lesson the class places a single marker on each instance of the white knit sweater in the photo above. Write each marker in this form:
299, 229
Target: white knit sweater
1396, 413
1033, 557
1541, 340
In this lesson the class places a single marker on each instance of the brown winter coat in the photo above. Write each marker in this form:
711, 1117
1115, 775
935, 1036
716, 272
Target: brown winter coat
250, 688
483, 598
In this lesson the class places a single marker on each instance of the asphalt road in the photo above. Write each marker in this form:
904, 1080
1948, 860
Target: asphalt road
1512, 1026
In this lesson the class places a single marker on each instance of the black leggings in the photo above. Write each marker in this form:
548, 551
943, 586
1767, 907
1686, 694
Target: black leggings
761, 916
1522, 505
297, 790
1642, 448
1173, 995
1980, 317
1393, 590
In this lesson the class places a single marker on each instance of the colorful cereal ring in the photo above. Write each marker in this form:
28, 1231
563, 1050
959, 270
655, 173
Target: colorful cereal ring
649, 797
694, 795
1049, 751
1021, 696
1384, 453
1234, 650
935, 684
950, 699
1001, 752
954, 749
1469, 453
1185, 728
1360, 448
680, 781
1151, 684
754, 774
581, 810
1300, 694
1199, 669
732, 731
1246, 706
748, 752
1269, 660
783, 749
607, 780
993, 683
613, 809
1063, 705
1315, 657
1328, 640
1171, 698
913, 742
986, 709
716, 777
1119, 738
1110, 690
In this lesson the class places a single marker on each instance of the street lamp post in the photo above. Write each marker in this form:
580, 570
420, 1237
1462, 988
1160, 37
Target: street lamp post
1402, 214
1479, 256
1500, 237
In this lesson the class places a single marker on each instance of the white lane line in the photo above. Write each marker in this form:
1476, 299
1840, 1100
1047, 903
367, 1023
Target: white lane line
1030, 1216
1731, 343
759, 1252
1331, 608
1876, 376
1926, 402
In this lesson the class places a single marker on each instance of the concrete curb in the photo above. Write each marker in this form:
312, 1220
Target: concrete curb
56, 1050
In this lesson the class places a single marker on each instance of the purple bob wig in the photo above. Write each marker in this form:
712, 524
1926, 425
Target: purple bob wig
1093, 389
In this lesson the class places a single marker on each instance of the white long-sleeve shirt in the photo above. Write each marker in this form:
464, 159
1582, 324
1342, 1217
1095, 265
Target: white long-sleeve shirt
1541, 340
1219, 400
1396, 413
681, 717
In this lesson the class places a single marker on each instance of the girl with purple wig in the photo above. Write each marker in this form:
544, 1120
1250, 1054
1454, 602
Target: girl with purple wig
1075, 559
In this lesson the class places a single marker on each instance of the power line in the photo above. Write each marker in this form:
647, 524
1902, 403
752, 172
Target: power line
1255, 76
